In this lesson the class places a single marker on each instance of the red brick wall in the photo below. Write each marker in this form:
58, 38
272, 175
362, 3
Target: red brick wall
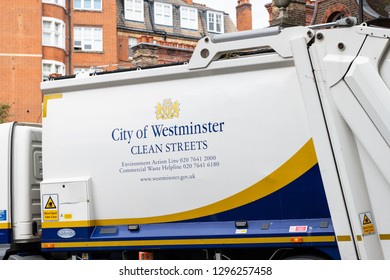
325, 8
21, 87
53, 53
167, 55
20, 58
105, 19
123, 47
296, 12
55, 11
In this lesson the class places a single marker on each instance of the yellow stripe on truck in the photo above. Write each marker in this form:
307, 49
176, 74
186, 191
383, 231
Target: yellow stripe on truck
209, 241
5, 225
46, 98
292, 169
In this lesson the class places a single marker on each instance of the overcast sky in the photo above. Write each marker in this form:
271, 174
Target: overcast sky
259, 12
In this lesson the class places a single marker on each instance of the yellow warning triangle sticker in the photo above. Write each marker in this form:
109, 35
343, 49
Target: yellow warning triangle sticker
366, 220
50, 204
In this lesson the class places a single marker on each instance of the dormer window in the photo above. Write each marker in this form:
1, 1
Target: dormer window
163, 13
189, 17
215, 22
134, 10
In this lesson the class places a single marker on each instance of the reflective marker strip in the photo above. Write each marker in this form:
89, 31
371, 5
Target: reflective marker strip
341, 238
47, 98
222, 241
384, 236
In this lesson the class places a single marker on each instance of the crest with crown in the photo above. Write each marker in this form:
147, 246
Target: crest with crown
167, 110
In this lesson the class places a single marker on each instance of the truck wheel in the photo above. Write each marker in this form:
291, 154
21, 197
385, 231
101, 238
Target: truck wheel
305, 257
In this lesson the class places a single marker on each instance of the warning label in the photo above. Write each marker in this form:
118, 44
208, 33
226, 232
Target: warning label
50, 211
50, 215
50, 204
297, 229
367, 224
366, 220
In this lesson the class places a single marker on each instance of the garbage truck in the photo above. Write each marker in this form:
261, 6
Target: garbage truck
268, 144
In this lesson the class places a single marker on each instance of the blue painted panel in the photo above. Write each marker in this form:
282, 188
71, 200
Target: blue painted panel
5, 236
303, 198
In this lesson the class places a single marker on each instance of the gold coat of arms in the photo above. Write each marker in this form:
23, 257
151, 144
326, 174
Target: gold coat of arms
167, 110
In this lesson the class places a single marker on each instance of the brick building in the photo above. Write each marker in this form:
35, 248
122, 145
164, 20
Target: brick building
164, 31
311, 12
21, 58
42, 37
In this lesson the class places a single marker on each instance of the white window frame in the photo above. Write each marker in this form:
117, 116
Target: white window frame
94, 5
88, 38
163, 13
55, 67
132, 42
55, 2
215, 22
189, 17
134, 10
53, 35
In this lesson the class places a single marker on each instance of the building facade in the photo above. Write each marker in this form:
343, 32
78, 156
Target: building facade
21, 58
312, 12
164, 31
43, 38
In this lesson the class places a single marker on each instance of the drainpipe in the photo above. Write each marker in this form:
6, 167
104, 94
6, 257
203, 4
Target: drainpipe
361, 11
70, 51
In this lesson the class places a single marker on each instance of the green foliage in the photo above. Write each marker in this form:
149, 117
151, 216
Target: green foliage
4, 112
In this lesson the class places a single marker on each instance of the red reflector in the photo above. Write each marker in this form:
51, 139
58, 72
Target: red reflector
48, 245
145, 256
296, 239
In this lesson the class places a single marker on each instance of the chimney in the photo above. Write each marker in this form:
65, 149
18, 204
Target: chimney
244, 15
189, 2
145, 55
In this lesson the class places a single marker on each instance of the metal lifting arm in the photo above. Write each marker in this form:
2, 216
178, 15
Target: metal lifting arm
343, 22
351, 72
211, 49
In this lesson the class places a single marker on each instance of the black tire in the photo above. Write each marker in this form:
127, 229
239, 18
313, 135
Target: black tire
305, 257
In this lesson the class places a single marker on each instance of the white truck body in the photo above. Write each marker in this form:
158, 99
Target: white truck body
21, 168
193, 157
281, 151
